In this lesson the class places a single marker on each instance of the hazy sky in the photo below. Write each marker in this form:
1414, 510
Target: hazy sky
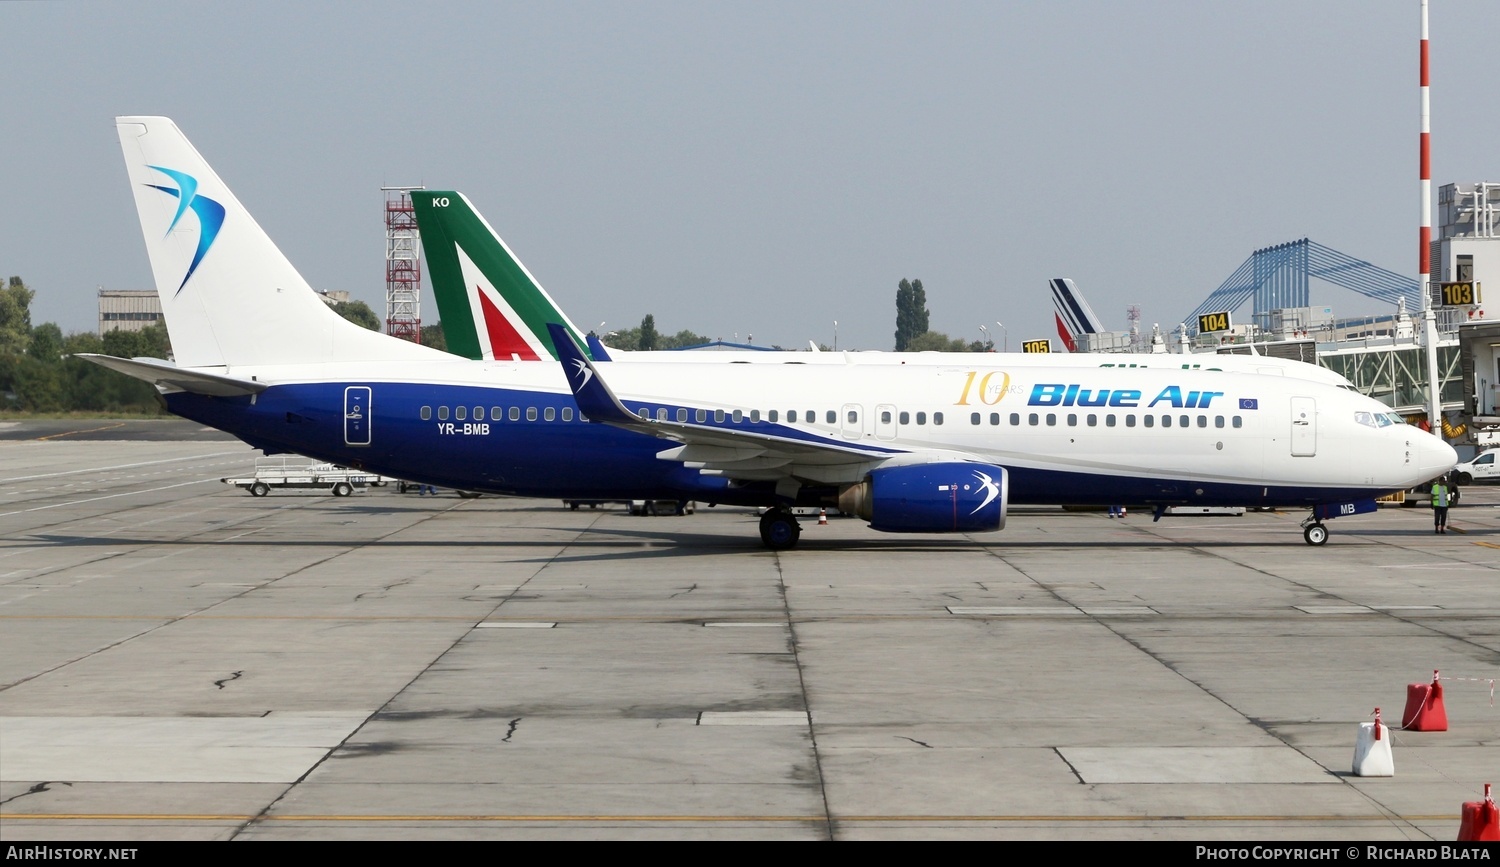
761, 168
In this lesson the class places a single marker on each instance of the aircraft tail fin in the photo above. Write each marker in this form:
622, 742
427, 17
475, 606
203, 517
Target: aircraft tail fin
227, 293
1074, 315
596, 348
490, 304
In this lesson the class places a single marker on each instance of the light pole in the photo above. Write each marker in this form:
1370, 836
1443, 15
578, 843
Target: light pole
990, 344
835, 335
1006, 332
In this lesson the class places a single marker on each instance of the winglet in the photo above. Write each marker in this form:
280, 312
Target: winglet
596, 348
594, 398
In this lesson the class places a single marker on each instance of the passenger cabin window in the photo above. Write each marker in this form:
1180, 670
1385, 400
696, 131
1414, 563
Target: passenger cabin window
791, 416
643, 412
681, 414
1130, 420
442, 413
738, 416
1238, 421
994, 418
754, 416
973, 418
921, 418
661, 413
853, 416
1033, 419
479, 413
1109, 420
700, 415
1166, 421
549, 414
772, 416
426, 413
831, 416
531, 413
460, 413
497, 413
1015, 418
719, 416
1093, 420
937, 418
515, 413
1051, 419
905, 417
1149, 420
567, 413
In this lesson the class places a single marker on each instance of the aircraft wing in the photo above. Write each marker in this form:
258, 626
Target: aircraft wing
722, 448
167, 375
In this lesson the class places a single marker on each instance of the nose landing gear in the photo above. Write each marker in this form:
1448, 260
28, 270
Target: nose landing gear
1314, 532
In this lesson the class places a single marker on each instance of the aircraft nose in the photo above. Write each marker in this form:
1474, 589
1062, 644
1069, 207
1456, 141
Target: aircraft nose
1434, 456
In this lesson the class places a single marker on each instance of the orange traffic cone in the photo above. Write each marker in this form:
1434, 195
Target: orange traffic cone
1424, 707
1481, 820
822, 517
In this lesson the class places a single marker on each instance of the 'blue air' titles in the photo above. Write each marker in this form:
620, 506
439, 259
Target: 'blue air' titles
1062, 394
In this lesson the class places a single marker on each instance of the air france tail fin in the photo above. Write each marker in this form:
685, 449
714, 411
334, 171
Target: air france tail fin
1074, 315
490, 304
228, 295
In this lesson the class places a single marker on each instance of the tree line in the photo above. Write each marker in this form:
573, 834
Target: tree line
38, 373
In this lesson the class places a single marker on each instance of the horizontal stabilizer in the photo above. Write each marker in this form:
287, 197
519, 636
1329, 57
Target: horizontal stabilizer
165, 374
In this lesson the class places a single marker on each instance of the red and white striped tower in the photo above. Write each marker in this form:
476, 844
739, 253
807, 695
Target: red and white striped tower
1424, 268
1425, 232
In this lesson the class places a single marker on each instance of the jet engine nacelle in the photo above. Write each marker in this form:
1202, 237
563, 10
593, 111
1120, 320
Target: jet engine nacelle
954, 497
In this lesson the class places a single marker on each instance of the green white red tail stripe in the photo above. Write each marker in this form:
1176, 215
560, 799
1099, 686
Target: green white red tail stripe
491, 307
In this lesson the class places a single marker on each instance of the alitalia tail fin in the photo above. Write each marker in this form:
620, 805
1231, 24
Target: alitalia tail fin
229, 296
491, 306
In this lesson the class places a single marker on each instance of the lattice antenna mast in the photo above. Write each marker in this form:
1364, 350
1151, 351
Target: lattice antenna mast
403, 266
1133, 316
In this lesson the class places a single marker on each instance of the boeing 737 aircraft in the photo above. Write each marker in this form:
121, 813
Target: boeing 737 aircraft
912, 448
492, 307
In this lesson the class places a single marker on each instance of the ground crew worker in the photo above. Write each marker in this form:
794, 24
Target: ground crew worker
1440, 505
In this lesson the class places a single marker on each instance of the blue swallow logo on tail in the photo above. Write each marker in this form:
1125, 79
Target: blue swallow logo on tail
209, 212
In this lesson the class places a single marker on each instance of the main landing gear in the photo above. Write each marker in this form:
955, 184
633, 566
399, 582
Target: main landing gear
779, 529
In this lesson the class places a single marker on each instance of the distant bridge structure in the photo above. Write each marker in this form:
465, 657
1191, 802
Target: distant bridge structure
1277, 278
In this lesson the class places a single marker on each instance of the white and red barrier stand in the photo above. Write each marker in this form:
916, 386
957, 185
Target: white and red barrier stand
1372, 750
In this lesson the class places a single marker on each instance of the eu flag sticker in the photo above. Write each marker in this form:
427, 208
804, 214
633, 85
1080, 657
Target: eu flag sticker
1248, 403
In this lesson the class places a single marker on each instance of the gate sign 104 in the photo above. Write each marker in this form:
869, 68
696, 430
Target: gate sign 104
1209, 323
